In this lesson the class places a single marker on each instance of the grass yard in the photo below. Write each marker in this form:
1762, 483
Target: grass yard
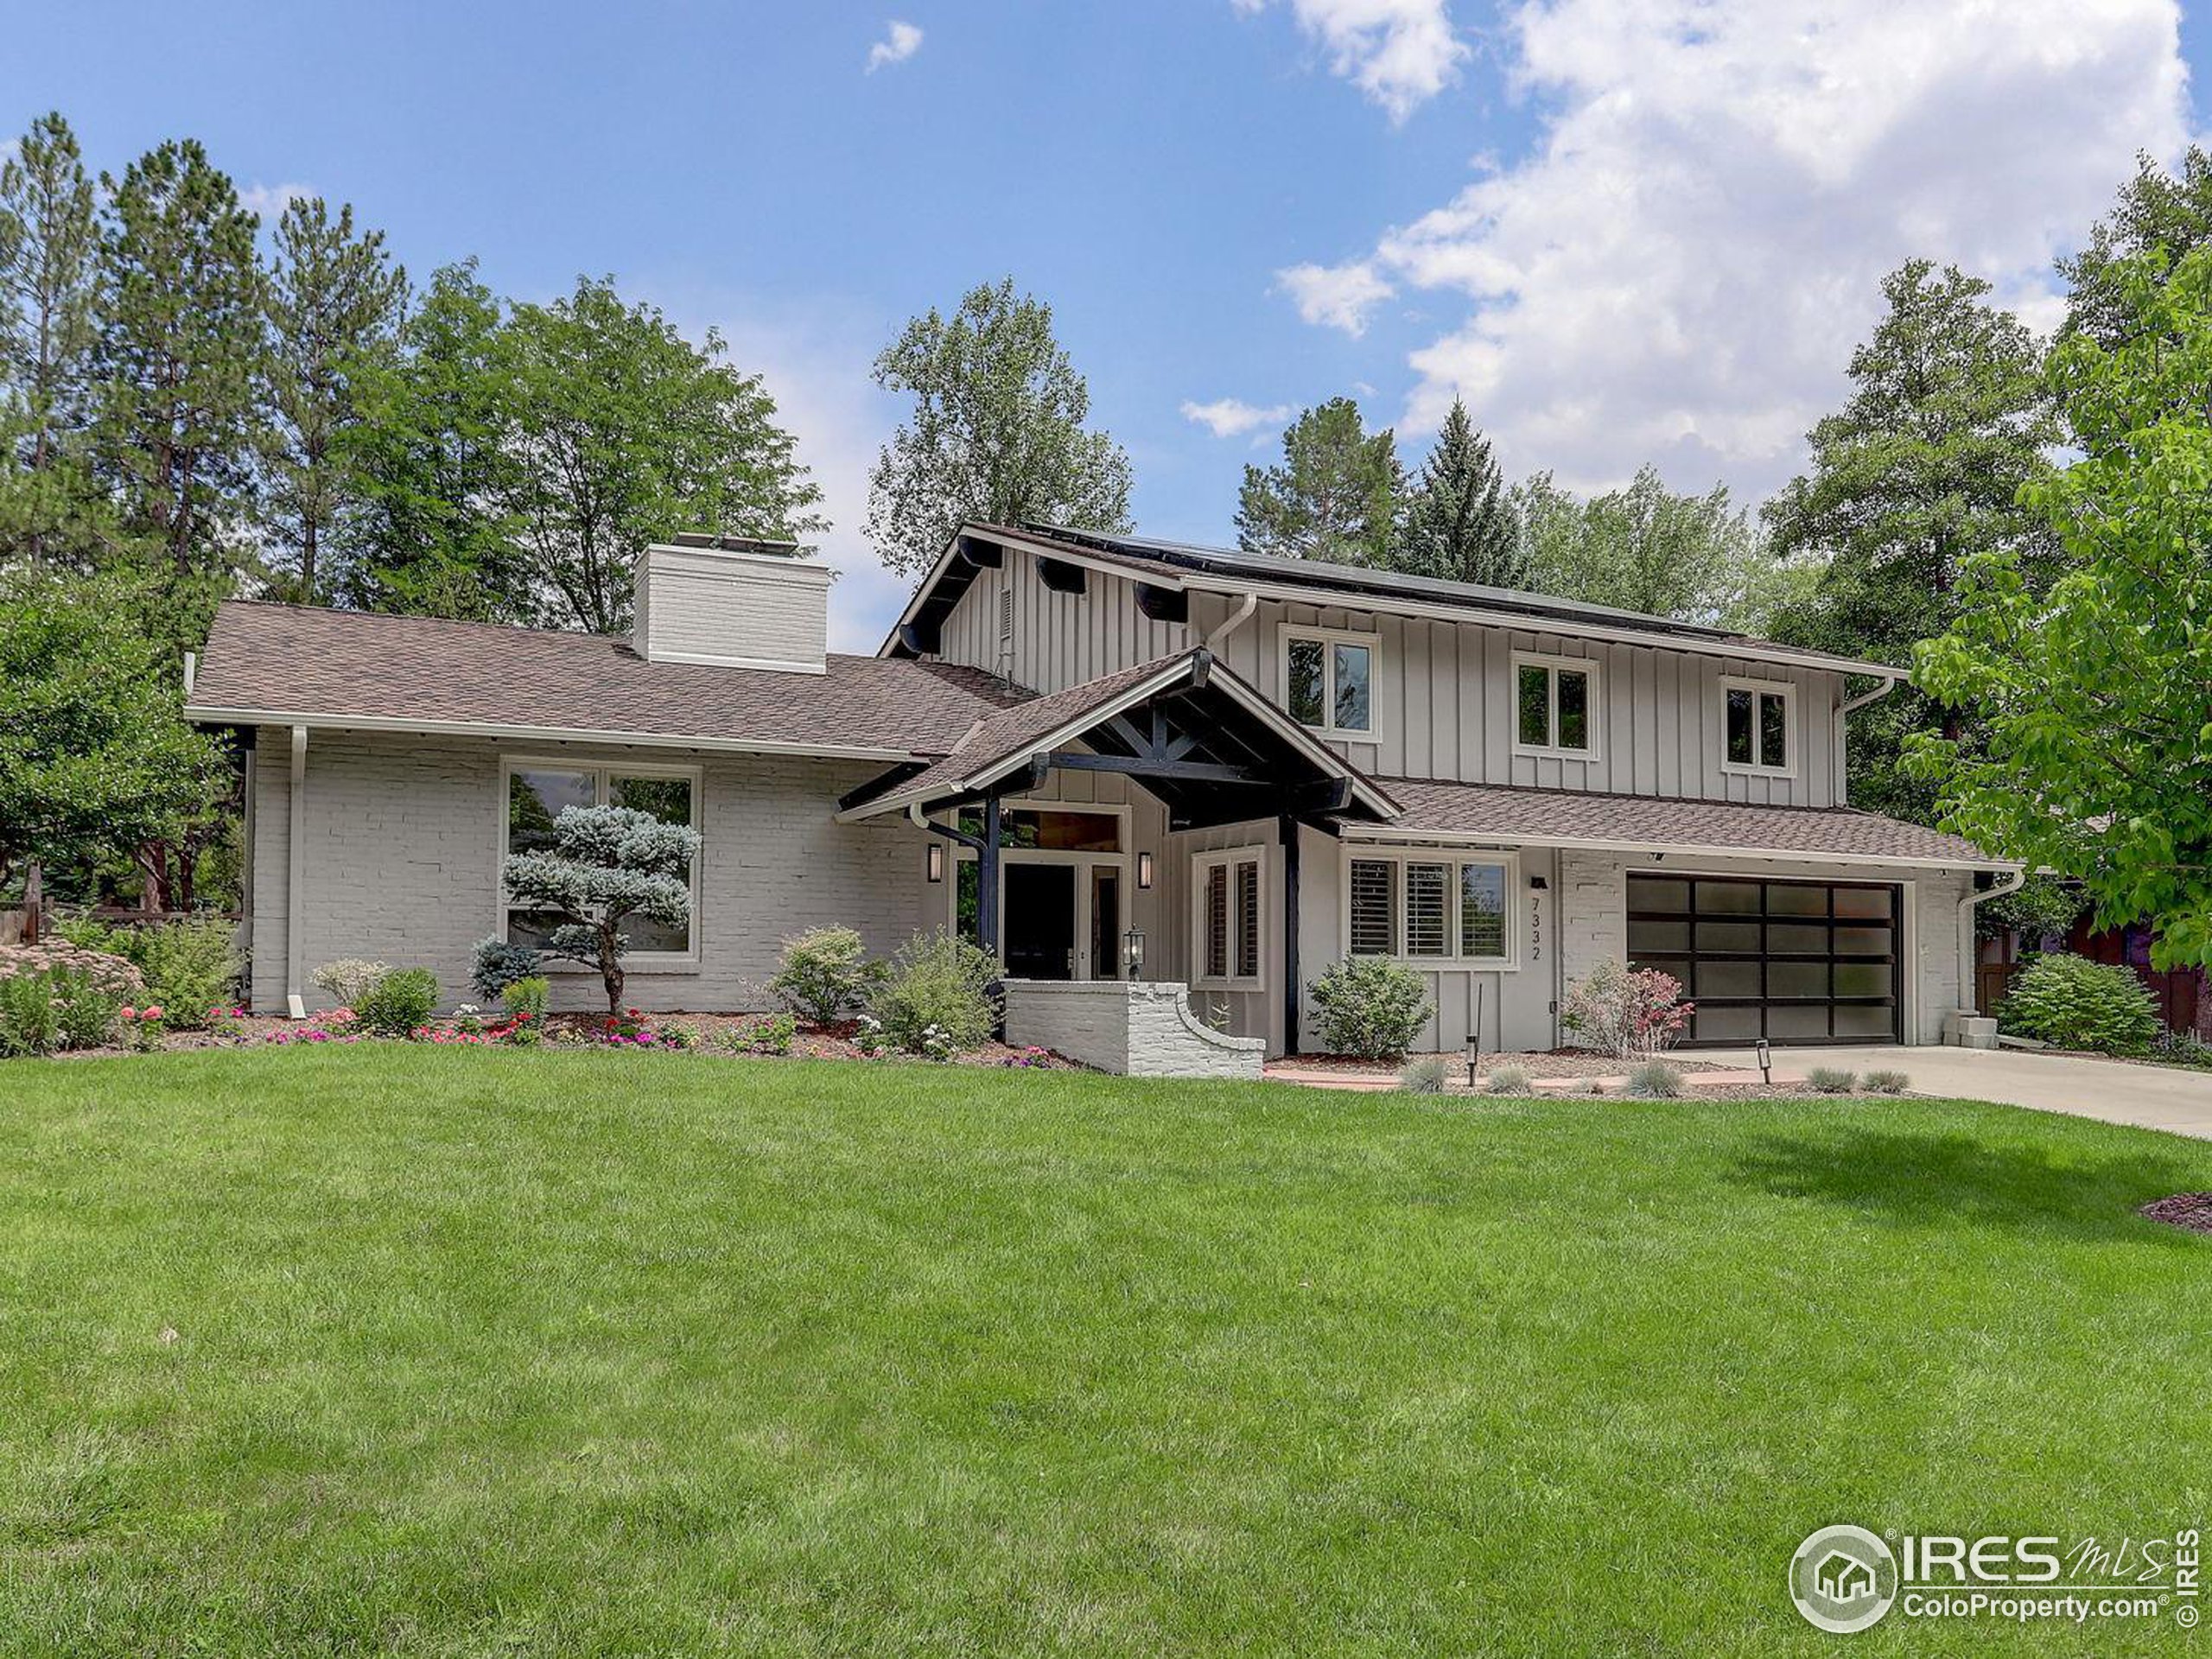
397, 1349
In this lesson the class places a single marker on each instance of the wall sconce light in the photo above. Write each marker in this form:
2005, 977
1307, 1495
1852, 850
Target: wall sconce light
1133, 951
1144, 871
936, 860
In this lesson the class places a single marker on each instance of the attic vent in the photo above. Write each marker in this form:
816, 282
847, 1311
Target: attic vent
1006, 617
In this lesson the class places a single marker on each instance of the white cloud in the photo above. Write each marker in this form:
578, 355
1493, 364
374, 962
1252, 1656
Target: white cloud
1233, 417
900, 44
1399, 53
1338, 295
1680, 267
269, 200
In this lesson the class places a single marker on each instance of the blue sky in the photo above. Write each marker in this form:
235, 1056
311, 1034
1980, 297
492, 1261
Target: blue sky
1626, 230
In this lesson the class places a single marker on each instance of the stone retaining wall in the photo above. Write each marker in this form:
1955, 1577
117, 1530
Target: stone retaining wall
1137, 1028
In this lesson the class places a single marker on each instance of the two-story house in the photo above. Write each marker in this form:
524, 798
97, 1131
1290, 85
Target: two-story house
1256, 766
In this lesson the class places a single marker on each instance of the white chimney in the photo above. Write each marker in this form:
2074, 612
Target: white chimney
732, 601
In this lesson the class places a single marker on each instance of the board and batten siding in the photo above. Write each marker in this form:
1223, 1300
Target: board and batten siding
1442, 692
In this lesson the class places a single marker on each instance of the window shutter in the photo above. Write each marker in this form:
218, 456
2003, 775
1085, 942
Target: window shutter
1217, 921
1427, 893
1247, 920
1373, 923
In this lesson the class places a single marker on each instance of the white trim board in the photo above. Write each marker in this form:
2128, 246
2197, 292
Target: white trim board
327, 722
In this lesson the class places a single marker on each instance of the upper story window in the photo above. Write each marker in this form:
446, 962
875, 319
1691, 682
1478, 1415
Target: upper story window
1555, 706
1328, 677
1429, 907
537, 791
1759, 736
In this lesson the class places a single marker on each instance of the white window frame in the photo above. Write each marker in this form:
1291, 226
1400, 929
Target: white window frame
1201, 864
1551, 664
1399, 857
1330, 637
605, 772
1787, 691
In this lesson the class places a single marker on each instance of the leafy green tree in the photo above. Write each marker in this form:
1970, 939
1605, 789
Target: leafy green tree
623, 430
1642, 548
2156, 209
334, 299
1335, 495
95, 757
2093, 693
1922, 470
49, 507
1458, 526
997, 432
434, 533
180, 355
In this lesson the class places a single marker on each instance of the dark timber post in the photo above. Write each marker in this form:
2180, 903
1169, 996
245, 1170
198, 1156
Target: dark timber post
1289, 934
986, 879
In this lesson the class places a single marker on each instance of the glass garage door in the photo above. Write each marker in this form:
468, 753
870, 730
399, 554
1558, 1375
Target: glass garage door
1794, 962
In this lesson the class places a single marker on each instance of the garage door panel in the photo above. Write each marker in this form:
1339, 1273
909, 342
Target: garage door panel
1806, 961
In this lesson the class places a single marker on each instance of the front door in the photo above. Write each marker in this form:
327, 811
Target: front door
1040, 926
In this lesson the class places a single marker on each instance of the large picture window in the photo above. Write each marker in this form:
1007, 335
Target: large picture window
1555, 706
1329, 679
1758, 737
1429, 907
1230, 915
537, 793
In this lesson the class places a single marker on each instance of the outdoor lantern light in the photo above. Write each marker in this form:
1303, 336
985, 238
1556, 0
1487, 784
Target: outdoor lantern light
1766, 1062
1133, 951
1144, 869
937, 860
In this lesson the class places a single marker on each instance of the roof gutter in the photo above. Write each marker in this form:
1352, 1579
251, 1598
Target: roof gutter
206, 715
1382, 833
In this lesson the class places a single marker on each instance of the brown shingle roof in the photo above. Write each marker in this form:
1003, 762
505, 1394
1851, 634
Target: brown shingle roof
1494, 810
281, 661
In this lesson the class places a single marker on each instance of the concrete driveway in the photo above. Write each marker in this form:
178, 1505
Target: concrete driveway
2149, 1097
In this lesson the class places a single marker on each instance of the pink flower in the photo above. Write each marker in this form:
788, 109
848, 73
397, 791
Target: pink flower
152, 1014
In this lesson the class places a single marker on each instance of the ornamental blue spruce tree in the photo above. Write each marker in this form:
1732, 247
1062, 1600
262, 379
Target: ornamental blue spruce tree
605, 865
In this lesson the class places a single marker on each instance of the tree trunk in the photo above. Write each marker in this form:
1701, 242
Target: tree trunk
610, 969
34, 900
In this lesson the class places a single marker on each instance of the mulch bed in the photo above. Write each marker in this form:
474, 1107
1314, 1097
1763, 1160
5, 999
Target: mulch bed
2190, 1210
1558, 1062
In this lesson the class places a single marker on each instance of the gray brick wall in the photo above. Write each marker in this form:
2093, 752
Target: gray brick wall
403, 852
1144, 1029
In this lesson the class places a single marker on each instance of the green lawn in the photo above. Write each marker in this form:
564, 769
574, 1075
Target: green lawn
481, 1352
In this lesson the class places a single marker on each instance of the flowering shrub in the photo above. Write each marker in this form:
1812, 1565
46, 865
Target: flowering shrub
1631, 1015
525, 1002
142, 1028
1029, 1057
869, 1037
227, 1023
349, 979
287, 1036
937, 999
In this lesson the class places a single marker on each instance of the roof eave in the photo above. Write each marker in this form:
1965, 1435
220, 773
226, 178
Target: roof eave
1667, 848
220, 714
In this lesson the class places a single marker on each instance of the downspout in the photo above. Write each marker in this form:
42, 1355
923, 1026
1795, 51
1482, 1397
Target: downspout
296, 860
1235, 619
1969, 952
1843, 712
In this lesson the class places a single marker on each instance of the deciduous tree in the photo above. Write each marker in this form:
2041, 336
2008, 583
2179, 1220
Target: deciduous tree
997, 432
1642, 548
2093, 694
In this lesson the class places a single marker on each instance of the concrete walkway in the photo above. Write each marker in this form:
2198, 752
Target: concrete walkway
2149, 1097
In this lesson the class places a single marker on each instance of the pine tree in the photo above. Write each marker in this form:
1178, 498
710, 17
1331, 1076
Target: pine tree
180, 356
49, 508
334, 300
1458, 524
1334, 497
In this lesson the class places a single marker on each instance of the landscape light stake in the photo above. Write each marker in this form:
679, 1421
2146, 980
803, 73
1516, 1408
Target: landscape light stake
1475, 1037
1766, 1062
